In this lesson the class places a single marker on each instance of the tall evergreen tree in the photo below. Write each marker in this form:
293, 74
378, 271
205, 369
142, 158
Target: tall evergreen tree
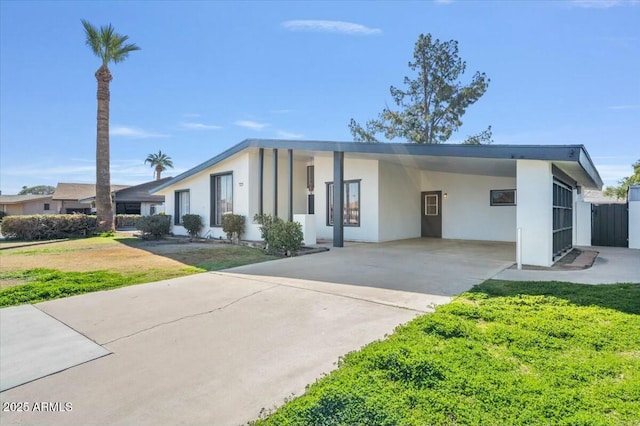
431, 104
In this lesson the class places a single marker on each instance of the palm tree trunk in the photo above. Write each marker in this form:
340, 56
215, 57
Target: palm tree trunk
104, 206
158, 171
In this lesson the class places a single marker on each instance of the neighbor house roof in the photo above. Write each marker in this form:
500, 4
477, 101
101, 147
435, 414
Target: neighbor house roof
78, 191
572, 159
18, 199
137, 193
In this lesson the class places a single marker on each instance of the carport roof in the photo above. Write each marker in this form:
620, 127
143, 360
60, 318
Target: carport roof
571, 159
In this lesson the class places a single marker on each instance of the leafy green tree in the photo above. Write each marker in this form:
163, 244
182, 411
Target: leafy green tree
432, 103
109, 46
37, 190
621, 191
160, 161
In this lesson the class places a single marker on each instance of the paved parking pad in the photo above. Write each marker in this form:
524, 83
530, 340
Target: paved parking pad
217, 348
34, 344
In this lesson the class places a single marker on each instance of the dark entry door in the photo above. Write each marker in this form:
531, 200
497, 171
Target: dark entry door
431, 202
610, 225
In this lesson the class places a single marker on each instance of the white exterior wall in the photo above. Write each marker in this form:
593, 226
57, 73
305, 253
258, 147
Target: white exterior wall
535, 211
367, 172
467, 213
582, 222
199, 196
399, 197
634, 224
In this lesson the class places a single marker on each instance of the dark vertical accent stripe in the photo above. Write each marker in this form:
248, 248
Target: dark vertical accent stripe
261, 181
338, 199
290, 184
275, 182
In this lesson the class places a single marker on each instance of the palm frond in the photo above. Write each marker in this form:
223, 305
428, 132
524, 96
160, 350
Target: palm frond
107, 44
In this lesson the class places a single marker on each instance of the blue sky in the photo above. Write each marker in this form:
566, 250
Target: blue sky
211, 74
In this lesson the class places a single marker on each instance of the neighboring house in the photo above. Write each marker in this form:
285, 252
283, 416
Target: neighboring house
136, 199
26, 204
394, 191
72, 197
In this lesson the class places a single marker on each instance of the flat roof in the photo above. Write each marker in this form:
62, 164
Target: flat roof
576, 155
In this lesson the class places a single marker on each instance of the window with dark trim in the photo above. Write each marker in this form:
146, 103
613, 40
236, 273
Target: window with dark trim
221, 197
181, 205
47, 207
351, 206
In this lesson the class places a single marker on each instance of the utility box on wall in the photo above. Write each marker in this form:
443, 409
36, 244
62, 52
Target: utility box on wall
634, 216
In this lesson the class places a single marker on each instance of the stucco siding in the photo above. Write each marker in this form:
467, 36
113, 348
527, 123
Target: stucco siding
199, 195
467, 213
399, 197
535, 211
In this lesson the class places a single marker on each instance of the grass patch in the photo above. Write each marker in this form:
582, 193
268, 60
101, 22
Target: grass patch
216, 259
511, 353
32, 272
38, 285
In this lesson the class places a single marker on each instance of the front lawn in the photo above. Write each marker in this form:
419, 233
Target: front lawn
506, 353
32, 272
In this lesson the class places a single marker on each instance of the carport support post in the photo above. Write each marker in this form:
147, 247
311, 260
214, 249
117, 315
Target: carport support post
290, 184
338, 197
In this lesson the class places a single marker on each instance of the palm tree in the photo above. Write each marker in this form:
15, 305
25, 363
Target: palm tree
160, 161
110, 47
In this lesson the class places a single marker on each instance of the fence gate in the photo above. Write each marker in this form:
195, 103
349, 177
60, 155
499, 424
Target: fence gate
610, 225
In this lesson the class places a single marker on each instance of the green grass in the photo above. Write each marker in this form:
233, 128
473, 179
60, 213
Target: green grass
232, 257
506, 353
46, 284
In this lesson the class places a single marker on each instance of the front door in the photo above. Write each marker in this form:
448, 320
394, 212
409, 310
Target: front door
431, 202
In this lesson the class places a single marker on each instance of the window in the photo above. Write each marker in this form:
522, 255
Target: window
562, 218
503, 197
47, 207
431, 205
182, 206
351, 206
221, 197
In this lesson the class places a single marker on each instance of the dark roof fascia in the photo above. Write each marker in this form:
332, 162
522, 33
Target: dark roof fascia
203, 166
517, 152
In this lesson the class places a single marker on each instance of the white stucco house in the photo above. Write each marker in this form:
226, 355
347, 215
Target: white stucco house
394, 191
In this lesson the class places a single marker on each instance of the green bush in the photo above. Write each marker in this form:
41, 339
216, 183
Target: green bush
233, 225
286, 237
193, 224
266, 222
48, 227
126, 220
156, 226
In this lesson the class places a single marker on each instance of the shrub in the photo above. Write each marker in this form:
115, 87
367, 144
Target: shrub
156, 226
47, 227
286, 237
126, 220
265, 221
233, 225
193, 224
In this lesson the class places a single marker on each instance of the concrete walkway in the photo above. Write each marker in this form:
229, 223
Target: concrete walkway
216, 348
613, 265
34, 345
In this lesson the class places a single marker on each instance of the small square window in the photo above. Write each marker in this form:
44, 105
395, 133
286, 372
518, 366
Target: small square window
431, 205
47, 207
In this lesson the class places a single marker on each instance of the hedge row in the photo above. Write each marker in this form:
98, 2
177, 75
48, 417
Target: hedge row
48, 227
127, 220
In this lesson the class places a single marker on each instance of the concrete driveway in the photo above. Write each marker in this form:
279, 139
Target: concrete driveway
218, 347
